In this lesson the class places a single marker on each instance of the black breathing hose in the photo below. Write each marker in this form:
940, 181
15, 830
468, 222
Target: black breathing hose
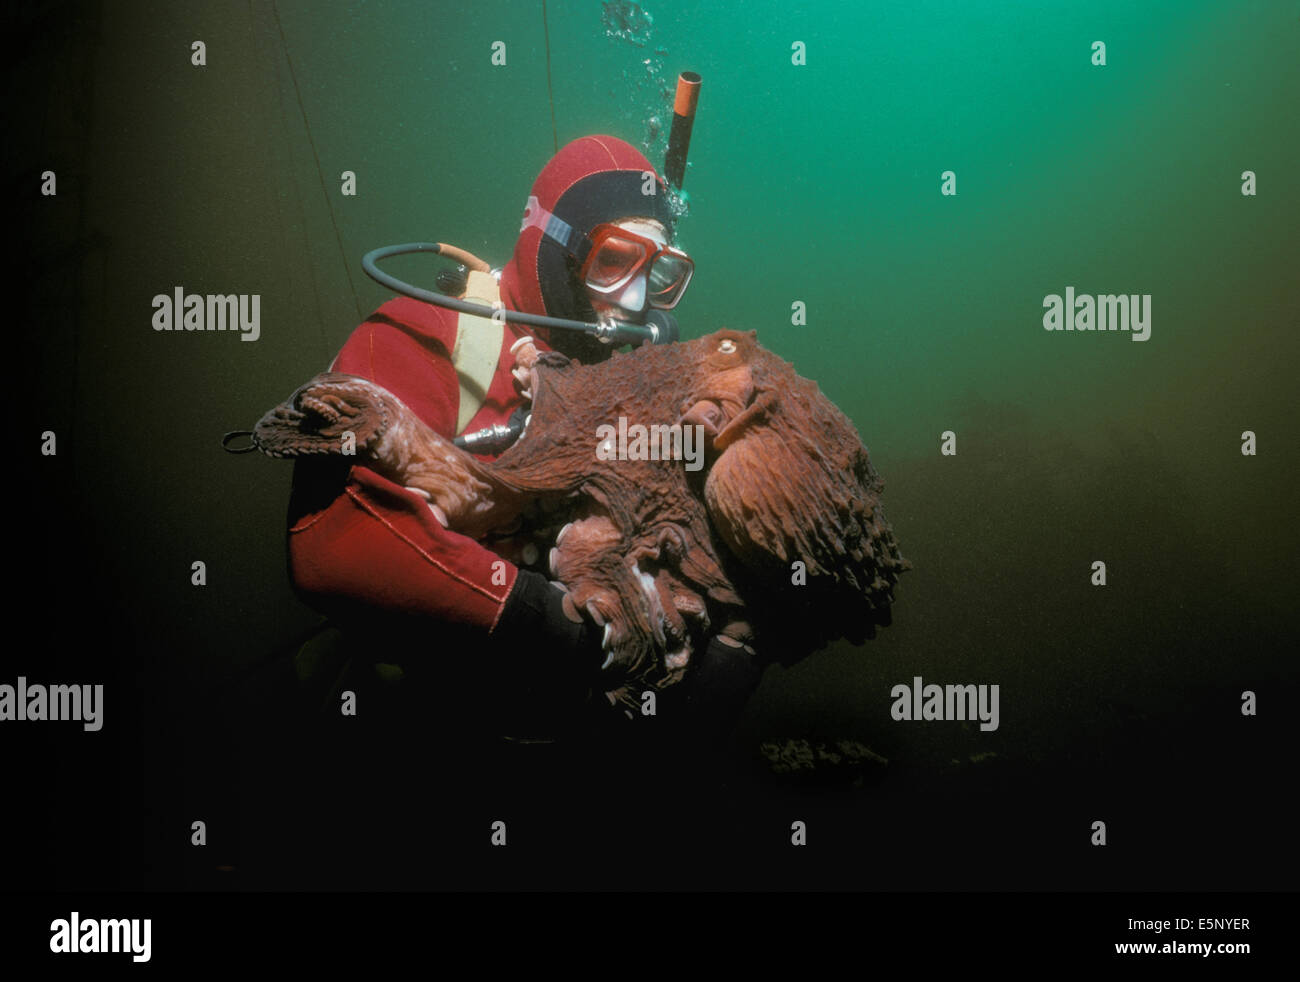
660, 327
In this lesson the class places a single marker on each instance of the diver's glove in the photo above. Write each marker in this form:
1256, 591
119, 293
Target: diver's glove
534, 626
709, 700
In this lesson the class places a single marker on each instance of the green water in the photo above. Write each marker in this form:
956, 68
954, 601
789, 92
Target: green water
817, 182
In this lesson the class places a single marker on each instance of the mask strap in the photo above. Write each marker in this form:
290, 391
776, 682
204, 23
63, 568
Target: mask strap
555, 228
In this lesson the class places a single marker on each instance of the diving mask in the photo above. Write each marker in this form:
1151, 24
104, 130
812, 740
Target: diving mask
628, 267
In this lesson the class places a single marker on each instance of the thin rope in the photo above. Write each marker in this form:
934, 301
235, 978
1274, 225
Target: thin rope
274, 62
316, 156
550, 94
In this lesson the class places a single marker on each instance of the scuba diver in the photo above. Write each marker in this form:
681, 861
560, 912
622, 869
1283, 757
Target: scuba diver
483, 616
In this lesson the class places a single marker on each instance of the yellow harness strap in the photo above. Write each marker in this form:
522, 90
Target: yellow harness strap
477, 351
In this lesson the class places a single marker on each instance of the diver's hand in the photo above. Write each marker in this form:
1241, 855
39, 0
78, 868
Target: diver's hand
539, 618
710, 699
705, 706
588, 563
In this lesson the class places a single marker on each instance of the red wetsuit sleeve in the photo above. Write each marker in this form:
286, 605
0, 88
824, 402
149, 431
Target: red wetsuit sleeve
374, 544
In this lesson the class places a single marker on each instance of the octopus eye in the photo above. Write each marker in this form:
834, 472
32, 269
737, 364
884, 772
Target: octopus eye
727, 347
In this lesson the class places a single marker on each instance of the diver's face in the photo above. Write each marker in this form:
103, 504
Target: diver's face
631, 303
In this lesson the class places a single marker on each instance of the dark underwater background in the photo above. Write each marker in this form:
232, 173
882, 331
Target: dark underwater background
818, 183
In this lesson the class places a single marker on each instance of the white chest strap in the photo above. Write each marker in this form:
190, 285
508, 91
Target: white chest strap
477, 350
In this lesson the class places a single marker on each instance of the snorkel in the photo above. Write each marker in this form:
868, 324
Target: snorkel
679, 137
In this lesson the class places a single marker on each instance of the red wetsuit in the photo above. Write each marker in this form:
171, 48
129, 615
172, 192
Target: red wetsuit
377, 544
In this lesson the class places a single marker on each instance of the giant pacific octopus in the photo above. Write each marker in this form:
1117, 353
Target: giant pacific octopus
778, 541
